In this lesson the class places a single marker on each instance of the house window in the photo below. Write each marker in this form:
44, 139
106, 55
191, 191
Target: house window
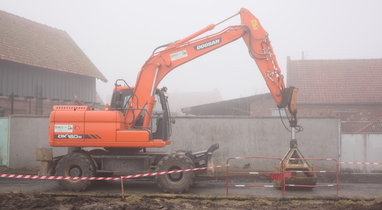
276, 113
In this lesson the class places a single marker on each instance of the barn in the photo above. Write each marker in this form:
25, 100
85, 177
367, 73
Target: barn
41, 66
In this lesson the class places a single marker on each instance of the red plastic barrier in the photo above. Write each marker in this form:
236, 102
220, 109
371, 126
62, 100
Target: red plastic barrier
282, 175
274, 175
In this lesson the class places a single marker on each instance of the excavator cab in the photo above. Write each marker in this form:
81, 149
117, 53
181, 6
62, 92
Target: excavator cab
121, 97
160, 125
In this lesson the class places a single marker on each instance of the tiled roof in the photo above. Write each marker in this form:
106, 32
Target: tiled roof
27, 42
336, 81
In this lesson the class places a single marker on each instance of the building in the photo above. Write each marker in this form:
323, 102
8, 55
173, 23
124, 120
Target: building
41, 66
234, 107
350, 90
177, 99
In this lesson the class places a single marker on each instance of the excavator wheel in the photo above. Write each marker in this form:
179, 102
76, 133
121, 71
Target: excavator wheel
175, 182
76, 164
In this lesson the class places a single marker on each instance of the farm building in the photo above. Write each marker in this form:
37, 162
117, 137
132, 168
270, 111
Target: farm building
350, 90
41, 66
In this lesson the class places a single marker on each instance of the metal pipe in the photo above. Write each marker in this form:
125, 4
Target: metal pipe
293, 133
122, 189
202, 31
227, 19
293, 141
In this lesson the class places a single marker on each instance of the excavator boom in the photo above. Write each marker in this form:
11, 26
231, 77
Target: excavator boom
191, 47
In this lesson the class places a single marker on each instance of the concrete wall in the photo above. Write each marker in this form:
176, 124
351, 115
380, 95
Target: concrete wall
26, 135
236, 136
257, 137
361, 148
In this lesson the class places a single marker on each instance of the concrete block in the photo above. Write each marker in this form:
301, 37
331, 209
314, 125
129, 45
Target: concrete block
44, 154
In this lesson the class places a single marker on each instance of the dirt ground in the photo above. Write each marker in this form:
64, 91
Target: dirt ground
167, 201
44, 194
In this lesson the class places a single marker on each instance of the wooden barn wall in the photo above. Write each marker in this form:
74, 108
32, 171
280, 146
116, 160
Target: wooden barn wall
29, 81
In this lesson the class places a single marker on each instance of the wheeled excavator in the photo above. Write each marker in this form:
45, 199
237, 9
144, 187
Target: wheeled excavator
138, 117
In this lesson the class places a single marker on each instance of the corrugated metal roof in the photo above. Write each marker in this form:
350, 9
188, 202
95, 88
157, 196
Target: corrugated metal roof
356, 81
361, 127
374, 126
27, 42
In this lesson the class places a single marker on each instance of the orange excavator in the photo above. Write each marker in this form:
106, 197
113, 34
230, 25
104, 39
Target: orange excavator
139, 117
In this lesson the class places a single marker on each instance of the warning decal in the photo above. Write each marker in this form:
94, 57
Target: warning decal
63, 128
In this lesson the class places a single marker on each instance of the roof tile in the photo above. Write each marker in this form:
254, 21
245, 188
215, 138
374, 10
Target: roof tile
337, 81
27, 42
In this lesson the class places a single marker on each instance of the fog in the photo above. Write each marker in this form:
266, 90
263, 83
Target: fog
118, 36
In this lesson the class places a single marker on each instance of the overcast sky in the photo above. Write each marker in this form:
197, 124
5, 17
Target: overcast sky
119, 35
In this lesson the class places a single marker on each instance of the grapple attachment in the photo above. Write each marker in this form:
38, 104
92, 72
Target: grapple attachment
294, 161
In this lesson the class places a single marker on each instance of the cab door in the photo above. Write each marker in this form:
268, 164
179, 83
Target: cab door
160, 121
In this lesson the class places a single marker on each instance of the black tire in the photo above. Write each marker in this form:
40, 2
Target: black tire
77, 164
175, 182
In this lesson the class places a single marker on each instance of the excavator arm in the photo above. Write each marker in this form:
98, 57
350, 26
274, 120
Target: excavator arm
177, 53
